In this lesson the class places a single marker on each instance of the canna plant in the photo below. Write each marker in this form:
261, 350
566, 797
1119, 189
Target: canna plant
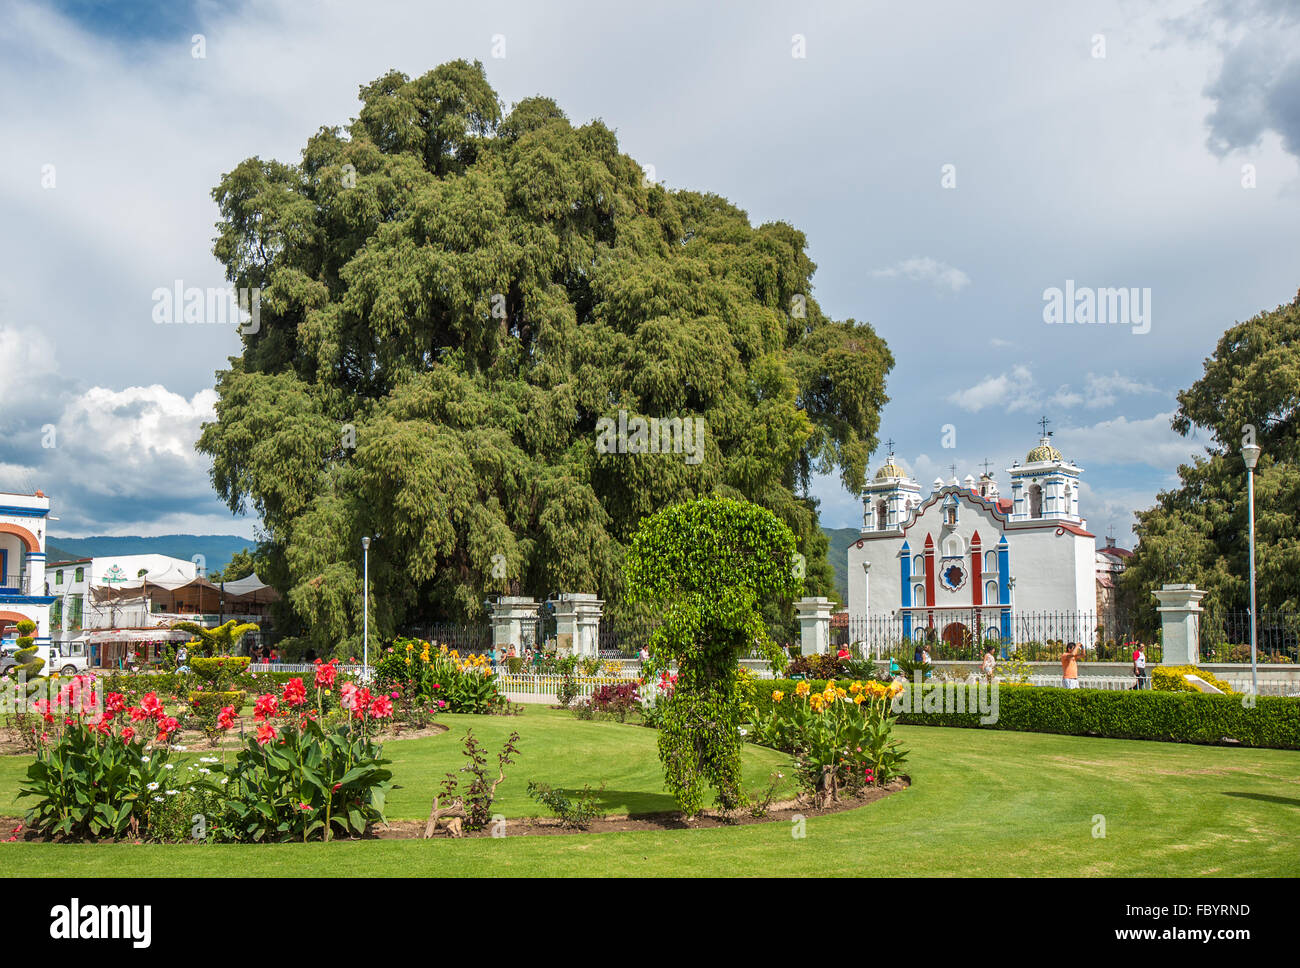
101, 769
296, 780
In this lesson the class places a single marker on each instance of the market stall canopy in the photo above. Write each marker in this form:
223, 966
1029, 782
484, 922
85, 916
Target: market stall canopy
137, 635
245, 591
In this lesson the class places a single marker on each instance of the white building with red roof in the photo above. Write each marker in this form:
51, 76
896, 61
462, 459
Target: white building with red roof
965, 561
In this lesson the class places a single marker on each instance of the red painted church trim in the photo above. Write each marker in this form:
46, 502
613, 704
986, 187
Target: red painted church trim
976, 572
929, 573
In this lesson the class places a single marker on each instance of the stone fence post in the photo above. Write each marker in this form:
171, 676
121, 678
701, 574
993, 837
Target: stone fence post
577, 623
814, 625
1180, 624
512, 617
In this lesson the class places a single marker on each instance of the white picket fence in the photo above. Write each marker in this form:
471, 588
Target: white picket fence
521, 687
297, 668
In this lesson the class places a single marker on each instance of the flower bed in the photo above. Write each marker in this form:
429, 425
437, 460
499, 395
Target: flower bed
1178, 717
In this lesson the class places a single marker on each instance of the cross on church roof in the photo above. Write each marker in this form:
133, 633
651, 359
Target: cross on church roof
890, 444
953, 468
985, 465
1044, 422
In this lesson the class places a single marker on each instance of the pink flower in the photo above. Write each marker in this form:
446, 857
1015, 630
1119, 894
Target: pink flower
381, 708
265, 707
348, 695
265, 733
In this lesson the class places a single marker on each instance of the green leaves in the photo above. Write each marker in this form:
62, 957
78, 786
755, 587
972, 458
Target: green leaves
452, 298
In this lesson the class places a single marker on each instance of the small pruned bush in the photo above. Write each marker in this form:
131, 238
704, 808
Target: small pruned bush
578, 810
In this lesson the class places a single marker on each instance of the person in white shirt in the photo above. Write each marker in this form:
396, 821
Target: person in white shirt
1140, 668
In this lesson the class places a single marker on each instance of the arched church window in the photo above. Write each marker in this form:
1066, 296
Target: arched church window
918, 595
1035, 501
990, 561
991, 593
953, 546
882, 515
918, 565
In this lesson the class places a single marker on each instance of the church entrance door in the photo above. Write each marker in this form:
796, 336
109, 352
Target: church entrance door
958, 636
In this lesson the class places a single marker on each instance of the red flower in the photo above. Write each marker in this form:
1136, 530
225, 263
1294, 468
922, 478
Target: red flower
127, 733
151, 706
265, 733
166, 726
137, 714
226, 718
265, 708
381, 708
114, 703
325, 673
294, 693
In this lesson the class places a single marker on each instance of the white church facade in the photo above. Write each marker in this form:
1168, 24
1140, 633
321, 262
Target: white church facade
964, 563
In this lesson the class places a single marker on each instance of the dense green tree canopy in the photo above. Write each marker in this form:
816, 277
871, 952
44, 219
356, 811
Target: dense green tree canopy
452, 298
1198, 532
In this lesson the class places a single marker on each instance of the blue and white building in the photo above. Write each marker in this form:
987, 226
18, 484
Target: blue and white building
23, 520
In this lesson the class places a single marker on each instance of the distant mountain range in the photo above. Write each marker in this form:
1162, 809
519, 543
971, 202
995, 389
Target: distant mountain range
216, 549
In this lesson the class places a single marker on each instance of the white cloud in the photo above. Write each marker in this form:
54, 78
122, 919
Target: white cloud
940, 275
1150, 441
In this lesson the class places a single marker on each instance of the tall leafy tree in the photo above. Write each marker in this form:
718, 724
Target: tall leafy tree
1198, 532
452, 299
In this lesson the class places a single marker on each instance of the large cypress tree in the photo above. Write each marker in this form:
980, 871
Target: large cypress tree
451, 299
1198, 532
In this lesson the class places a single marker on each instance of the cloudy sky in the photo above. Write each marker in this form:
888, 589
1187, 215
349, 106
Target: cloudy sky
949, 162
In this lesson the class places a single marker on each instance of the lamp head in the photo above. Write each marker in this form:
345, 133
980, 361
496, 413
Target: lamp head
1250, 454
365, 543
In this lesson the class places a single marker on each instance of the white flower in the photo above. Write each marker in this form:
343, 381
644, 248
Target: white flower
157, 799
144, 759
743, 731
205, 771
209, 759
168, 766
172, 793
178, 747
153, 786
225, 780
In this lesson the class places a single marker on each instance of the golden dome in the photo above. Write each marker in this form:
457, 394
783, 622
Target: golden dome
1044, 451
890, 469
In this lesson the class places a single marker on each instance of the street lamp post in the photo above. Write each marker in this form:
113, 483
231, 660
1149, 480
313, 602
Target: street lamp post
1250, 454
365, 610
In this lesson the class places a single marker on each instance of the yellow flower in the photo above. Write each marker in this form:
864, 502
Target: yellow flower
855, 688
778, 696
803, 688
840, 693
859, 698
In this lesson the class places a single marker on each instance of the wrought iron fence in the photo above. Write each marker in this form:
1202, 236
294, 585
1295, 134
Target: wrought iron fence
465, 639
964, 634
1225, 637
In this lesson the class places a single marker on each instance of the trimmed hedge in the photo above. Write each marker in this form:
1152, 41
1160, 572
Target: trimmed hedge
1171, 717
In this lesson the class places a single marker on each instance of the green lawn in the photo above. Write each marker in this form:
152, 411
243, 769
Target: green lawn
982, 803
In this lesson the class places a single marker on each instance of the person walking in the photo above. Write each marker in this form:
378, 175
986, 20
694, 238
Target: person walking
989, 663
1140, 667
1070, 666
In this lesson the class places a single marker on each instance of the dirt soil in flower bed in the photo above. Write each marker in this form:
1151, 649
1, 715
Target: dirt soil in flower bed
780, 812
783, 811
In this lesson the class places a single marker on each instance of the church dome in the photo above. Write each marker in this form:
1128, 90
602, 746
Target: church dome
1044, 451
889, 469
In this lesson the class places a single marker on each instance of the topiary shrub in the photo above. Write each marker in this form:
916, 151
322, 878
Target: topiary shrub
709, 566
29, 663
